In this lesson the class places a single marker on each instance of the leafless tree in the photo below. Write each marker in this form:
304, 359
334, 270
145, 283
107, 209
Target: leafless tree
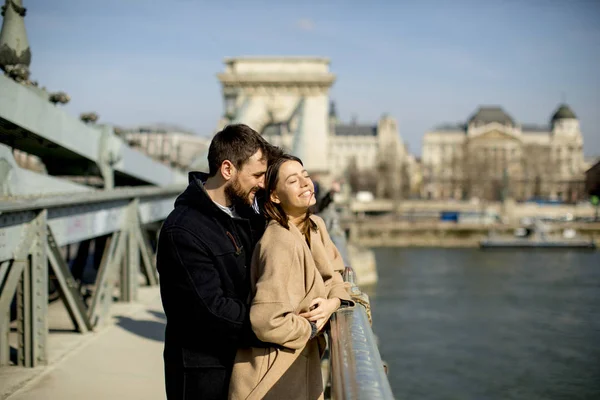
392, 176
353, 175
475, 171
360, 180
538, 171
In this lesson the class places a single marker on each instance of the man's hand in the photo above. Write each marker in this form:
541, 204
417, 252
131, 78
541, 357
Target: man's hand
320, 311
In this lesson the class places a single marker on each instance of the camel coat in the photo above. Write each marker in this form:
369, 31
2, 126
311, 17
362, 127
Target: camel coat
286, 275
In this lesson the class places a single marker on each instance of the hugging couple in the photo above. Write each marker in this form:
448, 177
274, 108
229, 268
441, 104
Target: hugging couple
248, 277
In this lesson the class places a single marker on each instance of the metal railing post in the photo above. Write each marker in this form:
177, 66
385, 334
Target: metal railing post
31, 264
131, 262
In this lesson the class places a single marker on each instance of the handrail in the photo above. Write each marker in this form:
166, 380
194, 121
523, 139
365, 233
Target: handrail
357, 371
24, 203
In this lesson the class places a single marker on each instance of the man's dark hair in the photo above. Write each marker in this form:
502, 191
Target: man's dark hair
236, 143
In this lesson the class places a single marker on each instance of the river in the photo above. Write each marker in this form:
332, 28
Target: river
472, 324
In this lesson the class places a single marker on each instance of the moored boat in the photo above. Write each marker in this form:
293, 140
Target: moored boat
497, 243
534, 236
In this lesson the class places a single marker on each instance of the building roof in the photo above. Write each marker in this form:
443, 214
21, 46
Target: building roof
451, 128
594, 168
563, 112
160, 127
279, 59
530, 128
489, 114
355, 130
526, 128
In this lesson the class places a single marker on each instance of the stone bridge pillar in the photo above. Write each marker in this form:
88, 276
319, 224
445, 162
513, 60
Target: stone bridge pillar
284, 98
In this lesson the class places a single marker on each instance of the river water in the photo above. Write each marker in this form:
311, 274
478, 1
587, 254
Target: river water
472, 324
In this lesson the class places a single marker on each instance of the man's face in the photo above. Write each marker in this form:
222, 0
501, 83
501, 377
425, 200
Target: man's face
247, 180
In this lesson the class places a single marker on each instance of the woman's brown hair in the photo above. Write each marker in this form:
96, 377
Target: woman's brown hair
274, 211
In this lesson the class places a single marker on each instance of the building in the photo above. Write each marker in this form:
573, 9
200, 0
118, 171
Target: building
375, 151
491, 156
592, 180
170, 145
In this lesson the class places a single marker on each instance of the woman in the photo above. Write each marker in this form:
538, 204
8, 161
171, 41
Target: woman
295, 287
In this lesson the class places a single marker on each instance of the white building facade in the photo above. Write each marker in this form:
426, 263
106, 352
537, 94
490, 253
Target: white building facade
493, 157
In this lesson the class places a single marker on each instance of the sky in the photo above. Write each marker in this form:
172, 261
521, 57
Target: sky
424, 62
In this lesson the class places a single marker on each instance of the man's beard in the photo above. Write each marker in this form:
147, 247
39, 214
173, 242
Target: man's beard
237, 195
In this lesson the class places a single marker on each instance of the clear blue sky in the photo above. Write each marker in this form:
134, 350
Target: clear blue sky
424, 62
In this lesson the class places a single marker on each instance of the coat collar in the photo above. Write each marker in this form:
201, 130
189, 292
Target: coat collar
196, 196
296, 231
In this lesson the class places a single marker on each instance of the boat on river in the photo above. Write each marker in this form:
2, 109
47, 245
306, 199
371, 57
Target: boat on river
497, 243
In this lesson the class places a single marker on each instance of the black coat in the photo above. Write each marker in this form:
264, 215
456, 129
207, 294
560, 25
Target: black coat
203, 259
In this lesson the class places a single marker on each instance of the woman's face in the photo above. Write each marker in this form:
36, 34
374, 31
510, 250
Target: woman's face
295, 191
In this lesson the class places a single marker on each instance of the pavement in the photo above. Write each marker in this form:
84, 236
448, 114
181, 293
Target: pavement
121, 360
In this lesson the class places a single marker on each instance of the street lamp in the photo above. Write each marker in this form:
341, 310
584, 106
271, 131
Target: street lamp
595, 200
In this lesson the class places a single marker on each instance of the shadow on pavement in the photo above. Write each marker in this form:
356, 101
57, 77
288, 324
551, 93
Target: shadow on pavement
157, 314
154, 330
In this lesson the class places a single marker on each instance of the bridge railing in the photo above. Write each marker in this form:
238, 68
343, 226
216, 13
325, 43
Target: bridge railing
34, 236
357, 370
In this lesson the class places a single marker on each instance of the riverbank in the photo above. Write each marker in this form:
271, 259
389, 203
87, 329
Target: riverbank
379, 233
364, 265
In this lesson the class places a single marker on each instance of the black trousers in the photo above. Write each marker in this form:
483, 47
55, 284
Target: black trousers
199, 383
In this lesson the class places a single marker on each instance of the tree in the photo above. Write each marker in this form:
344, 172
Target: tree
389, 174
353, 174
475, 171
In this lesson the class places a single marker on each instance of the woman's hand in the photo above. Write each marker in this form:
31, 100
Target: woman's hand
320, 310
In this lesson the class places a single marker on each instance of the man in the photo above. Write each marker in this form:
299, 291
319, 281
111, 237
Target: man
203, 259
324, 201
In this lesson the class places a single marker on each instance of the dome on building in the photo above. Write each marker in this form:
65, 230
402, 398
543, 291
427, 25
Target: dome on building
563, 112
488, 114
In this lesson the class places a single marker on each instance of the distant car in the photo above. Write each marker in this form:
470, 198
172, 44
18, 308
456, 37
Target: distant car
569, 217
526, 221
541, 201
364, 196
569, 233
